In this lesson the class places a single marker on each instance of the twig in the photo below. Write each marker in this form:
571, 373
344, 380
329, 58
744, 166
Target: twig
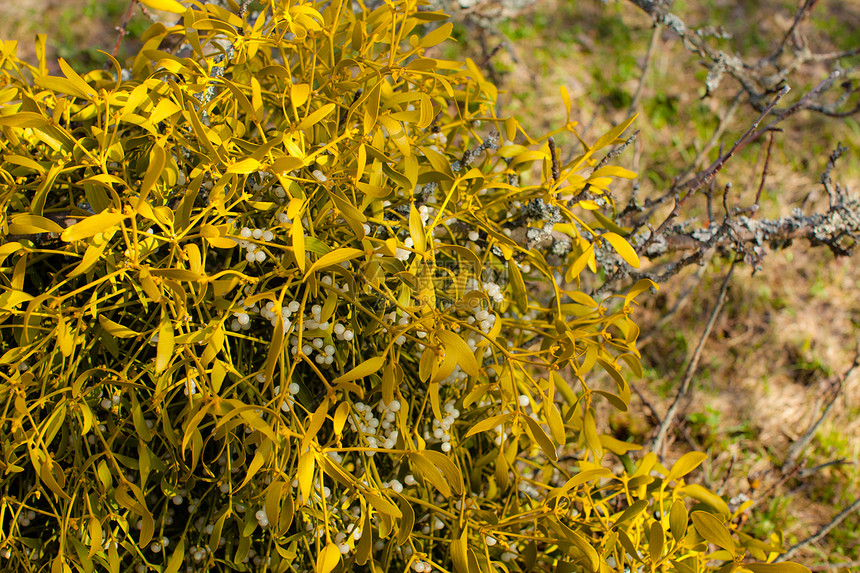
751, 134
122, 29
806, 472
556, 172
801, 14
763, 173
821, 533
659, 439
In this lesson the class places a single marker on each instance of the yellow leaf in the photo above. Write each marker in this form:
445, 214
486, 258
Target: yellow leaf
461, 351
613, 171
334, 257
164, 5
76, 80
165, 345
299, 94
298, 236
157, 158
176, 558
437, 36
592, 439
316, 116
678, 520
579, 264
459, 552
247, 165
704, 495
92, 225
340, 417
366, 368
381, 504
32, 224
538, 435
307, 461
555, 422
518, 286
25, 119
685, 464
488, 424
430, 472
416, 230
713, 530
785, 567
623, 248
565, 97
656, 541
613, 134
407, 522
581, 543
95, 530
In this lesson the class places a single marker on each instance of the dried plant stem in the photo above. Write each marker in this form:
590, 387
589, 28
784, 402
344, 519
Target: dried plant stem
659, 440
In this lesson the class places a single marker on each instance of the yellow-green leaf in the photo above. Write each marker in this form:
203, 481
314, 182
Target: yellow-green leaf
592, 438
623, 248
446, 466
76, 80
176, 558
678, 519
340, 416
459, 552
635, 509
656, 540
407, 522
713, 530
613, 134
